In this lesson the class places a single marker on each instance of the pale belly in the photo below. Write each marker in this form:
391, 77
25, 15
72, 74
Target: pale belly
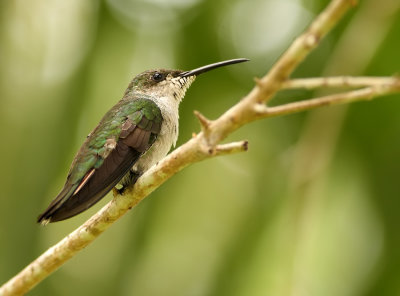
157, 151
160, 148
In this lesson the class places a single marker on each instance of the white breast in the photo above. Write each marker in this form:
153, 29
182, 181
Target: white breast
167, 137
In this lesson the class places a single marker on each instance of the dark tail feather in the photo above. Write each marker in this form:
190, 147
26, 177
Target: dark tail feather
65, 193
113, 169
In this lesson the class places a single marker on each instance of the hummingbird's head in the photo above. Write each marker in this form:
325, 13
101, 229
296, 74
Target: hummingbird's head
171, 83
162, 83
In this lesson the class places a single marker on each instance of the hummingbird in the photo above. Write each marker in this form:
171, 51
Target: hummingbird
131, 137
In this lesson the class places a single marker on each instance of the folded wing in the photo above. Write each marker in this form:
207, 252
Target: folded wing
107, 167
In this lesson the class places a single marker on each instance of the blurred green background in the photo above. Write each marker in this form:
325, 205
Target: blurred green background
311, 209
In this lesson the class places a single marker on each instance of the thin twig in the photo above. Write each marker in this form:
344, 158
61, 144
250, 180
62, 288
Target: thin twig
233, 147
367, 93
338, 82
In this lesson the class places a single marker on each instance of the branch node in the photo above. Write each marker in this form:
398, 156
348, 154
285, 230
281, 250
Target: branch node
258, 82
204, 122
212, 151
245, 145
311, 40
353, 3
260, 109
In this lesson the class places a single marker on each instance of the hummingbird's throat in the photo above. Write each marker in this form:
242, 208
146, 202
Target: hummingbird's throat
180, 85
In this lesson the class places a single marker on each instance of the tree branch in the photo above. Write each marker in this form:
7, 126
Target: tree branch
270, 84
206, 144
367, 93
339, 82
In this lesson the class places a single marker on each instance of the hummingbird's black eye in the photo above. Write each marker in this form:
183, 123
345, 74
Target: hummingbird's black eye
157, 76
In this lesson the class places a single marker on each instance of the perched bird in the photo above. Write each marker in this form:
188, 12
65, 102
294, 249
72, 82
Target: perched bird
131, 137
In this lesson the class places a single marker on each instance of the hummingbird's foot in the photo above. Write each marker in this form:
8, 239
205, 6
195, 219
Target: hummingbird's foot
131, 178
118, 191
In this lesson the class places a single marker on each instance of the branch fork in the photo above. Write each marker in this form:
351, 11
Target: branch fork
205, 124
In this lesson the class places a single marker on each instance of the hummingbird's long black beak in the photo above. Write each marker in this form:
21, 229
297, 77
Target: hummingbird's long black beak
206, 68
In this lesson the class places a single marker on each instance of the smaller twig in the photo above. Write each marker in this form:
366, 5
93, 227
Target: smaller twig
339, 82
335, 99
204, 122
205, 144
231, 148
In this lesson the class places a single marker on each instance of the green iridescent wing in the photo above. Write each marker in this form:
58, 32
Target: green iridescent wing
123, 135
